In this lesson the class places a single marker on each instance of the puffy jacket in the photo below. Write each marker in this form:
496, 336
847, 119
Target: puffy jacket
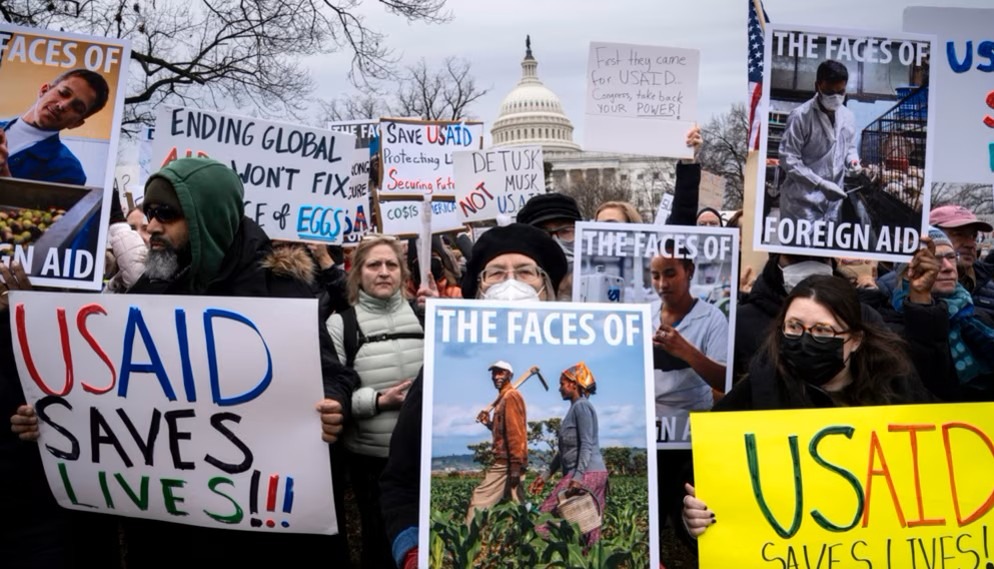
380, 365
129, 250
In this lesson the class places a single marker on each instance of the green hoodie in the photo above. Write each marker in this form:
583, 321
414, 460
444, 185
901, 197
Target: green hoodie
212, 198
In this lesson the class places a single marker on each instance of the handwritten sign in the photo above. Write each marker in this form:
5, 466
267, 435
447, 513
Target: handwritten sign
403, 217
56, 198
898, 486
298, 179
416, 156
641, 99
964, 90
178, 408
497, 182
623, 262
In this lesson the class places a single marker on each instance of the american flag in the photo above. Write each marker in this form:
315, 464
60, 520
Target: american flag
756, 40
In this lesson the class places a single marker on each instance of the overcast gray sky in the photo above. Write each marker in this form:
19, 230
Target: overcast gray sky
491, 36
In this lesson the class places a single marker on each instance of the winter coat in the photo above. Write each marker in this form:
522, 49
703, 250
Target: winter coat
982, 289
380, 365
686, 195
129, 251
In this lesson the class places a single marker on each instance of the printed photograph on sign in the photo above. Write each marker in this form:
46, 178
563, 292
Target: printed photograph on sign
963, 72
60, 118
688, 278
366, 131
298, 179
893, 486
641, 99
847, 143
497, 182
179, 409
537, 436
416, 155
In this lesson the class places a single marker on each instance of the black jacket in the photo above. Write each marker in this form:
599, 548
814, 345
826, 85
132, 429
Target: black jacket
686, 195
400, 484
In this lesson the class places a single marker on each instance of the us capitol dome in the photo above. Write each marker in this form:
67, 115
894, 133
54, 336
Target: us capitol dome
531, 114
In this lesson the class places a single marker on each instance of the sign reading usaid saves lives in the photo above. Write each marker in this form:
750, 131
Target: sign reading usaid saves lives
191, 410
298, 179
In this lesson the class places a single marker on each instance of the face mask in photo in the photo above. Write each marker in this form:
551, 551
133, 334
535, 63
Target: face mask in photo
831, 102
813, 361
793, 274
511, 289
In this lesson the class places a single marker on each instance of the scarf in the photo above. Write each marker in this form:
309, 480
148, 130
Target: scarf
971, 342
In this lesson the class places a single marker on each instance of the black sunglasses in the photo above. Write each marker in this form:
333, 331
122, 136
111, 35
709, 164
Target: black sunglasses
162, 213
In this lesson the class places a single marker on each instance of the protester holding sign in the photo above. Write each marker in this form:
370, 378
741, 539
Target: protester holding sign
822, 353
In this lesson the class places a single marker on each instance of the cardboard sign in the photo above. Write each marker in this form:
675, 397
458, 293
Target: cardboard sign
963, 78
624, 263
403, 217
497, 182
297, 179
896, 486
55, 206
811, 199
712, 190
641, 99
179, 408
416, 155
539, 342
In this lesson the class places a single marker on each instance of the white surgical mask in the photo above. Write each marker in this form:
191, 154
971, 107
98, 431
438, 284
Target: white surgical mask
567, 247
511, 289
793, 274
831, 102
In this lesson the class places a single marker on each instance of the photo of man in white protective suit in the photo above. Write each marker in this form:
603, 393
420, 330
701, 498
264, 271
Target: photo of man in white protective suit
817, 150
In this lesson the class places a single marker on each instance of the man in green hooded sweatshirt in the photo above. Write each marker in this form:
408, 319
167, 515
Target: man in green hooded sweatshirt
200, 242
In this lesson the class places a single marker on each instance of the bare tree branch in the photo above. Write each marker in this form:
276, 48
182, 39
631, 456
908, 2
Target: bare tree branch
725, 150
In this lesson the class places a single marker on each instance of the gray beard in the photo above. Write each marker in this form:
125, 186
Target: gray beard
162, 264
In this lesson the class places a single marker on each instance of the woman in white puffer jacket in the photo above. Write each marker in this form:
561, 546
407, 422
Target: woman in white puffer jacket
387, 345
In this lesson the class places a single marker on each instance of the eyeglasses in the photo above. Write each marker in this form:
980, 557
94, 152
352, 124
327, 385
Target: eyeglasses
530, 274
162, 213
794, 329
563, 231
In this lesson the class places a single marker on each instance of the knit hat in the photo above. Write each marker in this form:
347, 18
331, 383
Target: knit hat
549, 207
938, 236
515, 238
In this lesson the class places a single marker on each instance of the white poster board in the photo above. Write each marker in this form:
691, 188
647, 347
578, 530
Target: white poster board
416, 155
664, 210
641, 99
403, 217
191, 410
622, 263
963, 80
462, 338
365, 130
297, 178
809, 201
497, 181
358, 222
56, 197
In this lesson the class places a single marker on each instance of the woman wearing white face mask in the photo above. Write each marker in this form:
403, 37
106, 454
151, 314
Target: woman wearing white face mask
817, 148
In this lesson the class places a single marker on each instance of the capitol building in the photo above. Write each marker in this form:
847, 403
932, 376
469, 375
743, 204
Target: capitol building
532, 115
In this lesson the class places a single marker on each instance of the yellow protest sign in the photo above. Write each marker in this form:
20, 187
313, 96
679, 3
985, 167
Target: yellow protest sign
898, 487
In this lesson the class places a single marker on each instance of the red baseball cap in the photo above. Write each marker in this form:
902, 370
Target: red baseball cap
950, 216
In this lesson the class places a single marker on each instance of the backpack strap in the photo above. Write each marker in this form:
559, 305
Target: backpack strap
352, 336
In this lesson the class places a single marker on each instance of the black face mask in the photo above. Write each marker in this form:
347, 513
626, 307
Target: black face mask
813, 361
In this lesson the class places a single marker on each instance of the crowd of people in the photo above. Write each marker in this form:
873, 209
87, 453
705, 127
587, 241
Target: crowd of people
811, 332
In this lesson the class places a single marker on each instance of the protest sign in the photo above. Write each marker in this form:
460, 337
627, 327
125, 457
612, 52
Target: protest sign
416, 155
536, 342
359, 186
403, 217
963, 76
664, 209
855, 183
497, 181
297, 179
628, 263
641, 99
364, 130
897, 486
191, 410
55, 199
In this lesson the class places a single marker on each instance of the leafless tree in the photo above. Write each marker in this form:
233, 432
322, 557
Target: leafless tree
725, 149
590, 193
353, 107
226, 52
978, 198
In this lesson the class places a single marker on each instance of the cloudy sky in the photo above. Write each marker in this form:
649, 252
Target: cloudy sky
491, 35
